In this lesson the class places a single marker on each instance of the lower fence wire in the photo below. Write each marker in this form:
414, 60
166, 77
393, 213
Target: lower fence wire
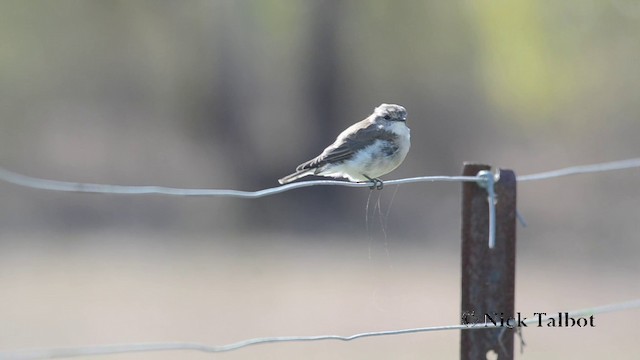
57, 353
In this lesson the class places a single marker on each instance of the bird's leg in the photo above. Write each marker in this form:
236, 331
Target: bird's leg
377, 184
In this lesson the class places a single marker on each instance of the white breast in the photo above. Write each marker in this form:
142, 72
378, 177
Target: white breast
369, 161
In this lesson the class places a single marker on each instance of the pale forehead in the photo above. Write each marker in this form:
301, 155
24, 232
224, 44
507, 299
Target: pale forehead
389, 109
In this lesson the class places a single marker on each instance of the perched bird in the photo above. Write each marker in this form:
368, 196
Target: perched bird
364, 151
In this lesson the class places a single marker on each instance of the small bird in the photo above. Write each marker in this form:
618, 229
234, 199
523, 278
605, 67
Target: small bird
364, 151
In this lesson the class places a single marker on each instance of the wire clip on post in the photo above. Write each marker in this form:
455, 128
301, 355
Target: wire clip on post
488, 180
488, 272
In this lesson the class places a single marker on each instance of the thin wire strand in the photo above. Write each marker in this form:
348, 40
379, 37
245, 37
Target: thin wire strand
55, 353
46, 184
582, 169
55, 185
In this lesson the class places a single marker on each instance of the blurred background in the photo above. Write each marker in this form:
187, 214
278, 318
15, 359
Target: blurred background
235, 94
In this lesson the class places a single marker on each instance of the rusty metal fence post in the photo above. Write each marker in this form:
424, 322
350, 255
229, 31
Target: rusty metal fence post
488, 275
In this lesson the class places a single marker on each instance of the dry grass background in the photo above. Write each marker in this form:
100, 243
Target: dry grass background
122, 288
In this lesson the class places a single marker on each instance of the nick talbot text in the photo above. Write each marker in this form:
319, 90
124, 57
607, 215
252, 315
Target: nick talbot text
536, 319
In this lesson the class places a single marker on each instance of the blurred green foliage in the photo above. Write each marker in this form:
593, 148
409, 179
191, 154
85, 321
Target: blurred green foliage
234, 94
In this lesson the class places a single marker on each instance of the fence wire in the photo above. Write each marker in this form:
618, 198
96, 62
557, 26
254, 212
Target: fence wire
56, 353
583, 169
67, 186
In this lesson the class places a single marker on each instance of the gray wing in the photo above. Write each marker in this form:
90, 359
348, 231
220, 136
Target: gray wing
344, 149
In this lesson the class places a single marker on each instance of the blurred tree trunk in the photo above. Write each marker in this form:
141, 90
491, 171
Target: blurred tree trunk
324, 69
324, 66
234, 92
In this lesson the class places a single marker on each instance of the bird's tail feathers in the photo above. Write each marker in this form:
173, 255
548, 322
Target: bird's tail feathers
295, 176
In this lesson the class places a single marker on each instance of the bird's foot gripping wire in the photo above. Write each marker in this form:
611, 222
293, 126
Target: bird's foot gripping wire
376, 184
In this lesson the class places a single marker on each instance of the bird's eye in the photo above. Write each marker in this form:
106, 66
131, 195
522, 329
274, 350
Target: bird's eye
387, 117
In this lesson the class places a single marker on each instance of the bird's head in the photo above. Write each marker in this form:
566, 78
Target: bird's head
390, 112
